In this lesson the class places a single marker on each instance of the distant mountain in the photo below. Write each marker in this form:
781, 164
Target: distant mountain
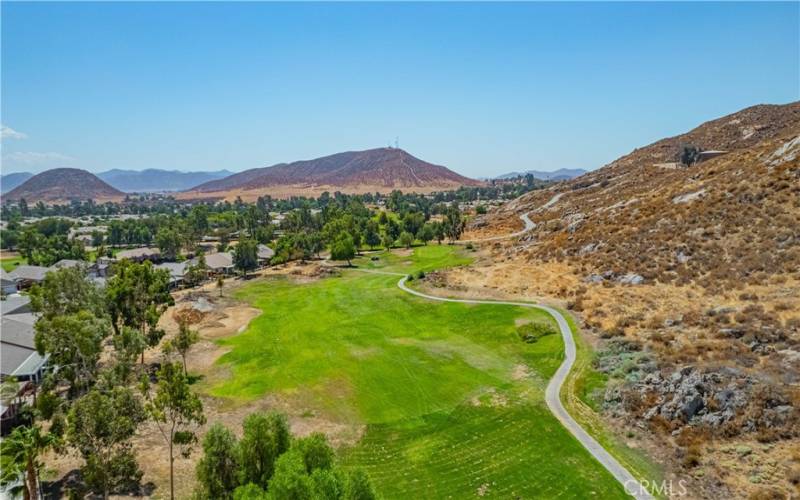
381, 170
156, 180
561, 174
10, 181
63, 185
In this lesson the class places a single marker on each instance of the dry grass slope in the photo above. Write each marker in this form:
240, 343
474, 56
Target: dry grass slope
692, 277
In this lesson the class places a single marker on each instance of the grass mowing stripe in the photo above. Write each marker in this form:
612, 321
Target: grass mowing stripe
447, 409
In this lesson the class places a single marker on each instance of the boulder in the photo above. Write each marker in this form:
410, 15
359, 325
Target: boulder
631, 279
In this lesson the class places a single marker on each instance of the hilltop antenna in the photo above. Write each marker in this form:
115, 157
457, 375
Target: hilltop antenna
397, 142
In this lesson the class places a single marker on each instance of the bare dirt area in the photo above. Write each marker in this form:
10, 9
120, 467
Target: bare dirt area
481, 228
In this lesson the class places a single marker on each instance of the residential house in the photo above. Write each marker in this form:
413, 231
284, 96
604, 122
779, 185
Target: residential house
7, 283
18, 356
218, 263
265, 254
176, 272
91, 269
25, 276
140, 254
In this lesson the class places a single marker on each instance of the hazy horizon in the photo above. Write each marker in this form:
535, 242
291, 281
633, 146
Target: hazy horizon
484, 89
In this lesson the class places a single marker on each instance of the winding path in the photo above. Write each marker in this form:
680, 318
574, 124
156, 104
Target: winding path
529, 225
553, 390
628, 481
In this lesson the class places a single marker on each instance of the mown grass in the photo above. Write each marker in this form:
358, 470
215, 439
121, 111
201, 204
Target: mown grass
451, 398
580, 397
10, 263
420, 258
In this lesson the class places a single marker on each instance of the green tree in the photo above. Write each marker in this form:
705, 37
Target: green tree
137, 295
388, 241
9, 239
169, 243
290, 481
129, 344
245, 255
317, 453
100, 427
217, 470
66, 291
393, 229
249, 491
328, 484
406, 239
182, 342
74, 343
426, 234
359, 487
343, 248
371, 235
197, 223
413, 221
20, 458
265, 438
196, 273
453, 224
438, 231
97, 239
176, 411
689, 155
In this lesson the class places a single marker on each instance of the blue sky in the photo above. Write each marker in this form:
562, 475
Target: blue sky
481, 88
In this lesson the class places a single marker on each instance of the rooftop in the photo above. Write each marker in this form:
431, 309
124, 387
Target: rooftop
32, 273
138, 253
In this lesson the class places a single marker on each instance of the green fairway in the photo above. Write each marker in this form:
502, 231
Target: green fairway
10, 263
452, 399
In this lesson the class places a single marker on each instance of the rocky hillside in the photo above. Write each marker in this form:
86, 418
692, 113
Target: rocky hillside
62, 185
732, 218
688, 279
382, 169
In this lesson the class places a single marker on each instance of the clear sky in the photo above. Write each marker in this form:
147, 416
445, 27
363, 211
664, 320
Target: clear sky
481, 88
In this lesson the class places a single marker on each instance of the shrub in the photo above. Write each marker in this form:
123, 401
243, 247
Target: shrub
532, 332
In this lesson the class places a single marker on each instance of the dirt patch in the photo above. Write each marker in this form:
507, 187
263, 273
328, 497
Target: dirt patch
490, 398
520, 372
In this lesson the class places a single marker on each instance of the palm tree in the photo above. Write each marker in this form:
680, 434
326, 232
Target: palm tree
19, 456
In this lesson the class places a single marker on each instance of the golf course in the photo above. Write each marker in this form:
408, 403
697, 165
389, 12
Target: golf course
450, 396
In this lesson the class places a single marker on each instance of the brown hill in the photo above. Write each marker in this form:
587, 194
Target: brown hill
733, 217
687, 279
382, 170
62, 185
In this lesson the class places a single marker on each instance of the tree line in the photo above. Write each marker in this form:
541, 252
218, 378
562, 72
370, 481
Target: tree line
344, 223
